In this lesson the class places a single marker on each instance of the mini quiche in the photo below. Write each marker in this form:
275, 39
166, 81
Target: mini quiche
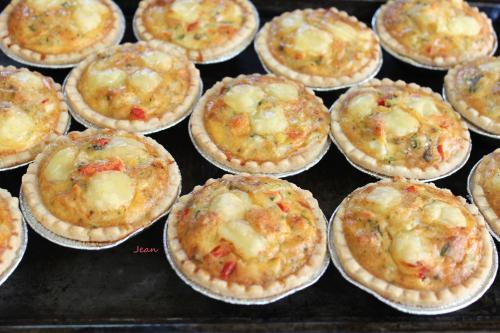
142, 87
322, 48
399, 129
485, 189
100, 185
474, 90
247, 237
59, 32
261, 124
413, 243
32, 112
210, 30
438, 34
11, 230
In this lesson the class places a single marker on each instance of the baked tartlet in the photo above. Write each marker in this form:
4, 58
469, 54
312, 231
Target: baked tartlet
485, 189
210, 30
247, 238
413, 244
11, 231
260, 124
100, 185
397, 129
436, 34
32, 113
142, 87
322, 48
474, 90
59, 32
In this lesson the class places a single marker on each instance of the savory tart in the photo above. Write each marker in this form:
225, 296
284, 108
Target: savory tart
11, 230
399, 129
413, 243
322, 48
485, 189
59, 32
474, 90
247, 237
140, 87
210, 30
261, 124
100, 185
433, 33
32, 113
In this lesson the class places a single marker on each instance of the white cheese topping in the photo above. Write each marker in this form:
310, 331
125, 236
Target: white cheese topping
244, 98
109, 190
443, 213
247, 242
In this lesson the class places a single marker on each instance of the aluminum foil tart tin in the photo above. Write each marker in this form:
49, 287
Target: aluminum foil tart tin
221, 58
411, 61
234, 300
277, 175
75, 244
455, 306
20, 253
119, 37
368, 78
84, 122
28, 162
471, 198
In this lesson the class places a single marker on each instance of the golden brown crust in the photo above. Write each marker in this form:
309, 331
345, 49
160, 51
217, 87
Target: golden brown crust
83, 110
11, 251
315, 81
302, 158
64, 59
382, 169
22, 157
33, 198
212, 54
236, 290
405, 296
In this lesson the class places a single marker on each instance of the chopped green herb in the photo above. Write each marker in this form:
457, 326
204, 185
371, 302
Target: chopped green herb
444, 249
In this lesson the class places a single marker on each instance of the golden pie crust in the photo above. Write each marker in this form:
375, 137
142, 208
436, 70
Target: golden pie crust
210, 30
59, 32
474, 90
399, 129
100, 185
322, 48
260, 124
140, 87
32, 113
247, 237
485, 188
413, 243
11, 230
440, 34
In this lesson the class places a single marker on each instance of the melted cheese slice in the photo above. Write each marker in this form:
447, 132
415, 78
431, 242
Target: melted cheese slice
16, 127
384, 196
424, 106
229, 206
132, 152
144, 81
283, 91
157, 59
45, 4
108, 78
410, 247
109, 190
28, 80
269, 121
311, 40
186, 10
378, 148
244, 98
61, 165
362, 105
233, 13
291, 22
247, 242
459, 26
345, 32
443, 213
88, 15
400, 123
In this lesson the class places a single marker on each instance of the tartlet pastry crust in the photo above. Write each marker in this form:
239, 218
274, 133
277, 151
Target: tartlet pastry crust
362, 68
88, 230
9, 247
40, 57
462, 85
223, 284
308, 151
27, 97
161, 118
441, 156
211, 52
421, 294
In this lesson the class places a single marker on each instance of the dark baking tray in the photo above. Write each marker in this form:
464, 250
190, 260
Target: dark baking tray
115, 290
